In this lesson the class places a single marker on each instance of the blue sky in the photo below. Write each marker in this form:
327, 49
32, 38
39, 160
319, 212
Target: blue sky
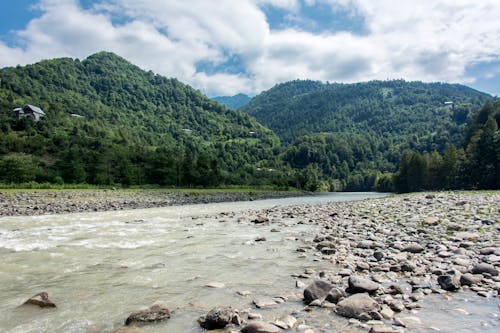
226, 47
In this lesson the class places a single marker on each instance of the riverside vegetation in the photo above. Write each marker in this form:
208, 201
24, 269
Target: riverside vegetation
133, 127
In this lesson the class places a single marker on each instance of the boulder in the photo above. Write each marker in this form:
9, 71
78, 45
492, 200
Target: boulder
360, 285
154, 313
260, 327
216, 318
41, 299
317, 289
357, 306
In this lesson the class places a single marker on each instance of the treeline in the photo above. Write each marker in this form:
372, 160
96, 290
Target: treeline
475, 165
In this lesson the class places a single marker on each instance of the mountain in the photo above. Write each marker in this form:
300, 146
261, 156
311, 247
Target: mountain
346, 134
233, 102
108, 121
385, 108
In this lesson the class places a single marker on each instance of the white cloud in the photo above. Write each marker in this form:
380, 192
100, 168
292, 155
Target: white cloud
427, 40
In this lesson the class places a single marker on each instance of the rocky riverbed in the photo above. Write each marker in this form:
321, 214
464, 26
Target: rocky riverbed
387, 256
426, 262
40, 202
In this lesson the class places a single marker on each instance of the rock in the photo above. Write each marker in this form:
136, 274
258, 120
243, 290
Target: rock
387, 312
285, 323
216, 318
260, 327
487, 250
215, 285
357, 305
379, 255
408, 266
450, 282
365, 244
409, 321
244, 292
484, 268
469, 279
360, 285
252, 315
154, 313
264, 303
317, 289
431, 220
362, 266
41, 299
345, 272
414, 248
260, 220
328, 250
335, 295
465, 235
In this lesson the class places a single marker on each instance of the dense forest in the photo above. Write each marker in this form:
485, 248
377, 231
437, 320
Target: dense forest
109, 122
350, 135
474, 165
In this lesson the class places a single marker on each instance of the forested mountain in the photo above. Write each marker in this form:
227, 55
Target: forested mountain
395, 109
474, 165
107, 121
347, 134
233, 102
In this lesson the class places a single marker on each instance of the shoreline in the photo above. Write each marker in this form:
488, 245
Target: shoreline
44, 202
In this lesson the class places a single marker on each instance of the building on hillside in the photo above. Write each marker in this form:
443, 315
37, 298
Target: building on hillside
29, 111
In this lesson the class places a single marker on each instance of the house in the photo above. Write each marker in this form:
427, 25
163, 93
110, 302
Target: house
29, 111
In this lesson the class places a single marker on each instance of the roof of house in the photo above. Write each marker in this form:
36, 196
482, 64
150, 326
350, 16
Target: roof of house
35, 109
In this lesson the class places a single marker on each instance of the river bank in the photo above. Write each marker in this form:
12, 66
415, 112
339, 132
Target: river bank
41, 202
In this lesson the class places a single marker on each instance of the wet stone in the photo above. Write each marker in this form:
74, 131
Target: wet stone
41, 299
156, 312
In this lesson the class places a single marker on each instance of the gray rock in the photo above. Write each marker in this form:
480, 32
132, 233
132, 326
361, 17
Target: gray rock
154, 313
357, 305
264, 303
216, 318
360, 285
487, 250
408, 266
335, 295
450, 282
413, 248
41, 299
260, 327
484, 268
317, 289
469, 279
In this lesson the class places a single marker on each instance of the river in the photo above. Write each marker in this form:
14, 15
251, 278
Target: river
99, 267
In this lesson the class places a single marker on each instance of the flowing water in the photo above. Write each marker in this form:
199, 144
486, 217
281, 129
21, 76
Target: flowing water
98, 267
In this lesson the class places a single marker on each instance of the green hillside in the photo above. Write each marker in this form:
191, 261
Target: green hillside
347, 134
132, 127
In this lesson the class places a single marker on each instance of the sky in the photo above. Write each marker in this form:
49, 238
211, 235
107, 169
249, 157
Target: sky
225, 47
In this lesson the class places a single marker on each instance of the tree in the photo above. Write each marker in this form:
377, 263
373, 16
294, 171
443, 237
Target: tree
18, 168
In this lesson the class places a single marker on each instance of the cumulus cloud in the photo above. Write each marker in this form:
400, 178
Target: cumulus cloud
426, 40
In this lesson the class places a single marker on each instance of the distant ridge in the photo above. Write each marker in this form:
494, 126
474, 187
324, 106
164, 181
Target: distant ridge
233, 102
